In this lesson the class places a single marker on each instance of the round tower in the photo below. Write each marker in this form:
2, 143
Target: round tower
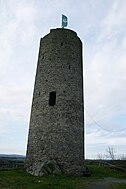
56, 131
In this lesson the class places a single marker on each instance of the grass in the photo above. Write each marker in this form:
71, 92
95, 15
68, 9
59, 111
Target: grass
101, 172
118, 186
19, 179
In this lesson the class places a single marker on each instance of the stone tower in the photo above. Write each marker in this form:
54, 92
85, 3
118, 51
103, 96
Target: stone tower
56, 132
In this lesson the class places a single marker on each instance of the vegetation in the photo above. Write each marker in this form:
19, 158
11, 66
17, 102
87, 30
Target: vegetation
118, 186
11, 161
102, 172
19, 179
110, 154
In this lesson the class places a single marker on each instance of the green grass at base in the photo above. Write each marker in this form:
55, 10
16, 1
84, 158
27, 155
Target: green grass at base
118, 186
101, 172
19, 179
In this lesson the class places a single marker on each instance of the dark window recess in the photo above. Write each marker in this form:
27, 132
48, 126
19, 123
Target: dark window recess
39, 93
69, 67
61, 44
52, 98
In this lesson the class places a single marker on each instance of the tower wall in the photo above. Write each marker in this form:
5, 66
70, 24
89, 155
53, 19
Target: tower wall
56, 132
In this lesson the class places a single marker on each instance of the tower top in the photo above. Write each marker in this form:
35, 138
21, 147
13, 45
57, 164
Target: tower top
62, 31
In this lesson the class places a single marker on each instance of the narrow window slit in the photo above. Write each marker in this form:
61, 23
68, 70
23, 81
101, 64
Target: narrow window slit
52, 98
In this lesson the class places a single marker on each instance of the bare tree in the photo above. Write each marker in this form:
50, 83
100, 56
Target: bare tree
110, 153
122, 157
100, 156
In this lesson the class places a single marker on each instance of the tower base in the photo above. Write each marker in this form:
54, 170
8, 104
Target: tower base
52, 167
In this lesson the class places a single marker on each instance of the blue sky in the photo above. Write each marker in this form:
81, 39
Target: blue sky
101, 25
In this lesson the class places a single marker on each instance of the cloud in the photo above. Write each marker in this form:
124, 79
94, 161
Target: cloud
101, 27
17, 34
99, 140
105, 75
114, 23
105, 92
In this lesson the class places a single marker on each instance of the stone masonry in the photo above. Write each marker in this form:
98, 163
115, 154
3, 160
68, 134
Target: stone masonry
56, 131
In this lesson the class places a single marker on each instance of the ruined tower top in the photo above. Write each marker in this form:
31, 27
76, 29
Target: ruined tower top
65, 31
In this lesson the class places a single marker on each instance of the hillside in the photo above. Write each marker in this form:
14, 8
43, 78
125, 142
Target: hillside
11, 161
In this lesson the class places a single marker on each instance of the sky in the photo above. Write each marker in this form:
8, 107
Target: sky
101, 25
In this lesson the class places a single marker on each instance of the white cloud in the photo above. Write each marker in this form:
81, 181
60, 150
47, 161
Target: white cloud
17, 35
99, 141
105, 91
105, 74
115, 22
